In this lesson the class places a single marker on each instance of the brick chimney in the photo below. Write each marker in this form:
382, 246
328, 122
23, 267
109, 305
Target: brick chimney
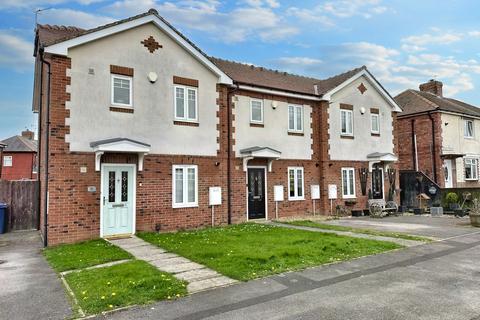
28, 134
433, 86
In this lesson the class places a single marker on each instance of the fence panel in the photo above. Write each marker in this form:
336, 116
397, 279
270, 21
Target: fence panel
22, 199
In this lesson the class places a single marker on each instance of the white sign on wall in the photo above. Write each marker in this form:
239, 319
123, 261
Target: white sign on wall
332, 191
215, 196
278, 193
315, 191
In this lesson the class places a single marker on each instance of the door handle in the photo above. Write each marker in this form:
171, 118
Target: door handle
257, 197
118, 205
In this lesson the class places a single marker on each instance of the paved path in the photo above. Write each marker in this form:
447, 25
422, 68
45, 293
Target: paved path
438, 280
199, 277
403, 242
29, 288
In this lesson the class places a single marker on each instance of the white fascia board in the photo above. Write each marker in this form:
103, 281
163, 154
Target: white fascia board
328, 96
61, 48
279, 93
122, 146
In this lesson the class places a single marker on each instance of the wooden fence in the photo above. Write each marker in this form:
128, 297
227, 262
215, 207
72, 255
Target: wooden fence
22, 200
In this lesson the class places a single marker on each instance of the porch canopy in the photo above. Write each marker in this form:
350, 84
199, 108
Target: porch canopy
452, 155
259, 152
378, 157
119, 145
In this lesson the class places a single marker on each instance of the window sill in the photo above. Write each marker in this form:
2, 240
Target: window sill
374, 134
258, 125
296, 199
469, 138
121, 109
293, 133
471, 180
349, 198
343, 136
180, 206
186, 123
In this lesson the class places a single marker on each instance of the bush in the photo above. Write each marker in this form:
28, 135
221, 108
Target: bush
451, 197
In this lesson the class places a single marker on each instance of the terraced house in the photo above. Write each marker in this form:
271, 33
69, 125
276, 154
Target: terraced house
138, 124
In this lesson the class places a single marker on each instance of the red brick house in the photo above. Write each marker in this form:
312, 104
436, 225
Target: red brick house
138, 126
440, 136
19, 157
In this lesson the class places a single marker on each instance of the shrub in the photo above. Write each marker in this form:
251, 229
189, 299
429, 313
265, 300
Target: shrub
451, 197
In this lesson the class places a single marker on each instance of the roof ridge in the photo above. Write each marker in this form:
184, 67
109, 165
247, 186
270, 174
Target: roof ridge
59, 27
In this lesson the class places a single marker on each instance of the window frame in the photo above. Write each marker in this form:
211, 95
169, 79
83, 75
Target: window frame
184, 203
251, 111
347, 134
295, 122
377, 116
465, 122
185, 118
474, 164
130, 97
11, 161
295, 184
352, 193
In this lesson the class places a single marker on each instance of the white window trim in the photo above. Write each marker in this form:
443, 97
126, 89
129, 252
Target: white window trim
295, 184
185, 186
251, 111
465, 121
185, 103
349, 196
373, 115
11, 161
348, 134
130, 79
295, 107
475, 160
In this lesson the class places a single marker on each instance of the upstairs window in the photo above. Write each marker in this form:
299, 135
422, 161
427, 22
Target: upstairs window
121, 90
295, 118
7, 161
471, 169
256, 111
346, 118
468, 128
186, 103
375, 120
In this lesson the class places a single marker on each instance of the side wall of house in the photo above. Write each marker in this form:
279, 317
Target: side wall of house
22, 166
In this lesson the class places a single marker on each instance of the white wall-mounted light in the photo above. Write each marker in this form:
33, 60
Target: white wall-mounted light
362, 110
274, 105
152, 77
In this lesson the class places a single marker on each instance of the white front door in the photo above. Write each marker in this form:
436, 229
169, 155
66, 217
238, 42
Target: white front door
118, 200
447, 166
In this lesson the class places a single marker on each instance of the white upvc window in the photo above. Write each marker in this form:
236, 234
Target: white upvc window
471, 169
122, 90
185, 186
295, 183
295, 118
7, 161
256, 111
186, 103
375, 120
346, 117
348, 182
468, 128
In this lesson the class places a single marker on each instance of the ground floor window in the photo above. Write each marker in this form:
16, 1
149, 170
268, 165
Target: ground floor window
471, 169
185, 186
295, 183
348, 182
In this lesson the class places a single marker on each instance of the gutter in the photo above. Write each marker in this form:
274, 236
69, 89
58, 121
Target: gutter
230, 92
434, 147
47, 138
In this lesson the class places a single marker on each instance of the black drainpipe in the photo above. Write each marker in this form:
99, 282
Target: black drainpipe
47, 151
434, 147
230, 92
414, 146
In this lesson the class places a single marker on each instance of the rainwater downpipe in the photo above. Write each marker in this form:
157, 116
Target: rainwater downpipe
434, 147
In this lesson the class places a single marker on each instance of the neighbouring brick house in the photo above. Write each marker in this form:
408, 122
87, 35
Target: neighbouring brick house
142, 123
440, 136
19, 157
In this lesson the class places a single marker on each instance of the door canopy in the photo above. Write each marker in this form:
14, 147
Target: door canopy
377, 157
259, 152
119, 145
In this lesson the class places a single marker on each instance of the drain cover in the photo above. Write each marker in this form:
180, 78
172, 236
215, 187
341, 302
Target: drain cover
2, 261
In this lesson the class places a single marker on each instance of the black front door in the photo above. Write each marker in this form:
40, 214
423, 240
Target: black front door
256, 193
377, 183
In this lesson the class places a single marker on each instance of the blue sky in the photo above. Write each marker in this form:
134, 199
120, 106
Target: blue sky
402, 42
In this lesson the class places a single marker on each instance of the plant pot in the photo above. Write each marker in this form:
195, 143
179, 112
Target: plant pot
357, 213
454, 206
418, 211
436, 211
475, 220
460, 212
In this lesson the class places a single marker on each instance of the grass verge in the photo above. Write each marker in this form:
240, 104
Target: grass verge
84, 254
309, 223
249, 251
130, 283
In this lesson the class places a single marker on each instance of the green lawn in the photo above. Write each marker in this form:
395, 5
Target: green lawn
249, 251
308, 223
125, 284
83, 254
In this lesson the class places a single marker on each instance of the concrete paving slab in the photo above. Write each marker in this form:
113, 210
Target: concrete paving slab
196, 275
207, 284
182, 267
160, 256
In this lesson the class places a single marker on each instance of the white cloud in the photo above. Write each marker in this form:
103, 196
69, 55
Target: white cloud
35, 4
75, 18
299, 61
15, 52
428, 39
474, 33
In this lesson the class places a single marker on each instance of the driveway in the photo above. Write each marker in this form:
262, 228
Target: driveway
438, 280
29, 289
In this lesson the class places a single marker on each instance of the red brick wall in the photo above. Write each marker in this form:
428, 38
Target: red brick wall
422, 126
21, 168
